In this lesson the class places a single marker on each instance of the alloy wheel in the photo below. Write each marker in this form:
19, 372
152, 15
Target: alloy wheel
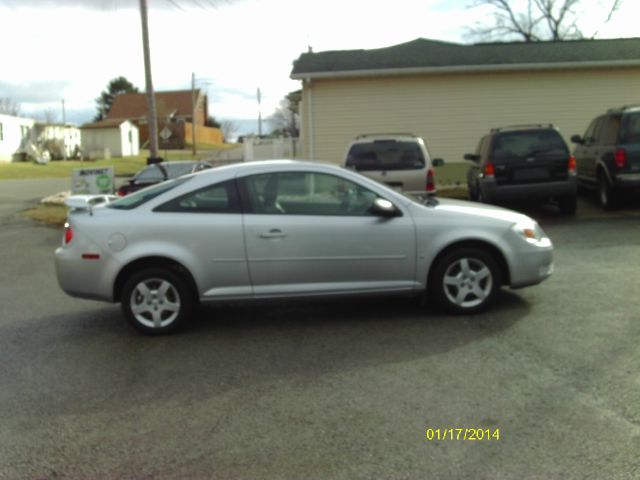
467, 282
155, 303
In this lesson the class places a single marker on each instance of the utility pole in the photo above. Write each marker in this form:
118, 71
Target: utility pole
259, 114
64, 132
193, 113
152, 114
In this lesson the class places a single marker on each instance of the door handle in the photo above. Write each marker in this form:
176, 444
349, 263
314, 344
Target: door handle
273, 233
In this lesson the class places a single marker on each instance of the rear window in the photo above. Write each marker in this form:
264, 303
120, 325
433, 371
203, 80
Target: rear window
385, 155
630, 129
156, 172
136, 199
527, 144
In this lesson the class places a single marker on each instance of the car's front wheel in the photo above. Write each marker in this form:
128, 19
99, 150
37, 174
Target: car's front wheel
466, 280
156, 301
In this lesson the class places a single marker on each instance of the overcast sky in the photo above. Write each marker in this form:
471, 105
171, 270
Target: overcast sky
65, 49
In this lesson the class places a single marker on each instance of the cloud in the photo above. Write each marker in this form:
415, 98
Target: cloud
112, 5
34, 92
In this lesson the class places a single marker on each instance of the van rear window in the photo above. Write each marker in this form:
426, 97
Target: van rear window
385, 155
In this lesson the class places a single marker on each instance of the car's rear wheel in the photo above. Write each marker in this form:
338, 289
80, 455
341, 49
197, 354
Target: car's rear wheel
606, 193
466, 280
156, 301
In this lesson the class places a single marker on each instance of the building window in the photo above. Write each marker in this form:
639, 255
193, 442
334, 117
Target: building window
24, 131
1, 133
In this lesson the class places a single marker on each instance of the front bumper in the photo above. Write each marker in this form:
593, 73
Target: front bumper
530, 267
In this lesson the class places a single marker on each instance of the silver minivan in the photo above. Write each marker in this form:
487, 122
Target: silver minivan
399, 160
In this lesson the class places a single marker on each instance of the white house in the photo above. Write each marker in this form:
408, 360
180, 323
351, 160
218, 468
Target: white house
118, 138
61, 141
15, 133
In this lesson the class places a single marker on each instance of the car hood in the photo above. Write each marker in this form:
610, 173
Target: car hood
463, 208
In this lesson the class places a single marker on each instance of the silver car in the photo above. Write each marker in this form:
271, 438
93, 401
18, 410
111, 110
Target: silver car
280, 229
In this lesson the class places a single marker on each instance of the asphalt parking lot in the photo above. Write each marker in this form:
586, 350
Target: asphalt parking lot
340, 390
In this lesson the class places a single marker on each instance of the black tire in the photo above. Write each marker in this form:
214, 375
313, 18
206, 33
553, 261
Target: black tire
568, 205
165, 307
606, 194
465, 292
473, 194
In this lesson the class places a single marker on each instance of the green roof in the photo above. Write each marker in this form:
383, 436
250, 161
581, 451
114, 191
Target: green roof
424, 54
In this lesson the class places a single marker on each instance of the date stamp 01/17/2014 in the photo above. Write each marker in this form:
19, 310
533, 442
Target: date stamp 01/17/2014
463, 434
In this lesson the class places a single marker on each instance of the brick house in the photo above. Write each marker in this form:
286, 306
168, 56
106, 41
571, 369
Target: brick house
175, 112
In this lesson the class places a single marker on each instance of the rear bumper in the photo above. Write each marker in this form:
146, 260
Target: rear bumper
491, 191
83, 278
627, 180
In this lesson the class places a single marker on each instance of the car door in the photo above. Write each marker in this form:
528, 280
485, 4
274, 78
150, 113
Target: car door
313, 233
205, 225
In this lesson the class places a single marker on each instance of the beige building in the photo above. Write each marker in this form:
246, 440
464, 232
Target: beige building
451, 94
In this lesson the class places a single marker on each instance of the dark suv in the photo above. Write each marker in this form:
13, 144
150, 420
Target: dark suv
523, 162
608, 155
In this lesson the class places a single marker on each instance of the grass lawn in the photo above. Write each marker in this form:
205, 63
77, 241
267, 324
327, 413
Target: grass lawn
125, 166
452, 174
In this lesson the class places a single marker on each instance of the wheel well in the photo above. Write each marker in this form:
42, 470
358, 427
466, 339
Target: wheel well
602, 172
491, 249
152, 262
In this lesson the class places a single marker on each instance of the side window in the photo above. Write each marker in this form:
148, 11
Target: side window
306, 193
609, 131
218, 198
591, 135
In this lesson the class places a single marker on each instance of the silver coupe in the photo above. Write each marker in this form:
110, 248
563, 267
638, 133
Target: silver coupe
280, 229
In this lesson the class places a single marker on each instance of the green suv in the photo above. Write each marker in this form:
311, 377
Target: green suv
523, 163
608, 155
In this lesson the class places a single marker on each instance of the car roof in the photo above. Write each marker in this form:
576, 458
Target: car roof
625, 109
517, 128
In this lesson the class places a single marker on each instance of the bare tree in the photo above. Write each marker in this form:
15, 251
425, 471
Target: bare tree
285, 118
540, 20
8, 106
229, 129
49, 115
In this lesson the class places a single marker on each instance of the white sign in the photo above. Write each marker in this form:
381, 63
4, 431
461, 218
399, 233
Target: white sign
165, 134
92, 181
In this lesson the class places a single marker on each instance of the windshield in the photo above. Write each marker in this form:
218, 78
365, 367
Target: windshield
385, 155
142, 196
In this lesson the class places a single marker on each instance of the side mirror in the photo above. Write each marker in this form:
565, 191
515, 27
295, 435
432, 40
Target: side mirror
437, 162
384, 208
577, 139
471, 157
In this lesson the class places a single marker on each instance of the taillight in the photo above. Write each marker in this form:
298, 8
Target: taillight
120, 193
431, 182
572, 165
620, 157
68, 233
489, 170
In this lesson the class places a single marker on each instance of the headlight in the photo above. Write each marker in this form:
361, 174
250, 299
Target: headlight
532, 233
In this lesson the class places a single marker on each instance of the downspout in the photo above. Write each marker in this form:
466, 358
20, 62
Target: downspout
312, 146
